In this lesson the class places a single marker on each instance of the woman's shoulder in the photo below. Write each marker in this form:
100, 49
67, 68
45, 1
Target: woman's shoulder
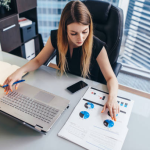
53, 35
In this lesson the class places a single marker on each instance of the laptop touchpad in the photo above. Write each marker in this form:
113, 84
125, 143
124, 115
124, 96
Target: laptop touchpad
44, 97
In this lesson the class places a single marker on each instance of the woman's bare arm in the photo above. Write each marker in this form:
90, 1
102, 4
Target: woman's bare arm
30, 66
112, 83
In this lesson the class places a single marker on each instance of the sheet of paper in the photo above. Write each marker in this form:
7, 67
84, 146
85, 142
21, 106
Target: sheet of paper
96, 141
92, 117
6, 69
74, 133
91, 129
85, 127
101, 97
104, 123
4, 66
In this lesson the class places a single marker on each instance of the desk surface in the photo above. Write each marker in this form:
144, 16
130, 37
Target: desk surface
15, 136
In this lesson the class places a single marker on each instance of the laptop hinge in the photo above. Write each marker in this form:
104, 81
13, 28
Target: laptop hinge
39, 128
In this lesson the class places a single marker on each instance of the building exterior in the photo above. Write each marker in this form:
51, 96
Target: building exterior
137, 34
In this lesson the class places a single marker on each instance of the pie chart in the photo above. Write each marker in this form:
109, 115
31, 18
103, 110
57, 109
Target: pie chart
109, 114
108, 123
84, 114
89, 105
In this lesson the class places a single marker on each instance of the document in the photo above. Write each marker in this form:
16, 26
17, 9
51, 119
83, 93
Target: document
91, 129
101, 97
97, 141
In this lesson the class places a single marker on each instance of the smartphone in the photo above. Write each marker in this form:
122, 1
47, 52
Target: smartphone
77, 86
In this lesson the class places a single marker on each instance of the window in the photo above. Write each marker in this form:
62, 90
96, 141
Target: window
135, 50
49, 12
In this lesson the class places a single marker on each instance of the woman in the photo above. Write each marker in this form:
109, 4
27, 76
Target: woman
78, 52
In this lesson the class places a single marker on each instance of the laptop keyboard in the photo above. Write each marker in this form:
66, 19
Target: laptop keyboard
30, 106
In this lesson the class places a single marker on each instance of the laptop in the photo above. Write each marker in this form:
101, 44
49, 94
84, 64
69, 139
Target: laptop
33, 107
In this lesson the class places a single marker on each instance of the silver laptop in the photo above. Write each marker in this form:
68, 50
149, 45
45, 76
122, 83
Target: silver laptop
32, 107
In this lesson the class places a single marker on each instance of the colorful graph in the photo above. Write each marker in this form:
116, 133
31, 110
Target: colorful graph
109, 114
100, 97
108, 123
89, 105
126, 104
121, 104
84, 114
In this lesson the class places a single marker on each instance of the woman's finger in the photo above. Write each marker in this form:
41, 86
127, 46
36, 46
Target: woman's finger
10, 86
104, 108
110, 111
5, 82
16, 86
118, 110
7, 88
114, 113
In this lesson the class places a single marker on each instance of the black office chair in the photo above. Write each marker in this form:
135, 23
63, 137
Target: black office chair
108, 27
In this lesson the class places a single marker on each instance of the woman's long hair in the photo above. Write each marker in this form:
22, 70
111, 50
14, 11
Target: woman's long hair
75, 11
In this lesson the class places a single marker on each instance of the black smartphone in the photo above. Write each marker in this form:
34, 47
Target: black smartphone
77, 86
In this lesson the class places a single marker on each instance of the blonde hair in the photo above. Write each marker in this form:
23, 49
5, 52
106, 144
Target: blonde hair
75, 11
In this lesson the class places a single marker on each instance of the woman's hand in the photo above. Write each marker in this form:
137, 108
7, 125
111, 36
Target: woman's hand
113, 107
17, 75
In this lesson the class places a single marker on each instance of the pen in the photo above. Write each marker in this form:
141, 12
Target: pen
14, 83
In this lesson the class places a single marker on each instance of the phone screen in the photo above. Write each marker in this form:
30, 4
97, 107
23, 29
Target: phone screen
77, 86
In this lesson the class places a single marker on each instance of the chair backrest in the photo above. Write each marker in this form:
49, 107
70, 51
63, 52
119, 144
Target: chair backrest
108, 26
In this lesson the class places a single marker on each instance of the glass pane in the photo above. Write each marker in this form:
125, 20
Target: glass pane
49, 12
135, 49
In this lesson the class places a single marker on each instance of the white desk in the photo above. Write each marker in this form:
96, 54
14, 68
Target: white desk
15, 136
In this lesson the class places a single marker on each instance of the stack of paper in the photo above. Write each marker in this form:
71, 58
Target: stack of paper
24, 22
93, 130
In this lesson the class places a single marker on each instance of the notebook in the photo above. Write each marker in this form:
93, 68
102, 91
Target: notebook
6, 70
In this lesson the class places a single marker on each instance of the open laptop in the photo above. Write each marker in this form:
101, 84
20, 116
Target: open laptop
32, 107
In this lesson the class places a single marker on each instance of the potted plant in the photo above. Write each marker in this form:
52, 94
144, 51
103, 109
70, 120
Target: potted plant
4, 5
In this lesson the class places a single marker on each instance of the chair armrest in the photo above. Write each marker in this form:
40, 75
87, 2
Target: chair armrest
50, 58
116, 68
